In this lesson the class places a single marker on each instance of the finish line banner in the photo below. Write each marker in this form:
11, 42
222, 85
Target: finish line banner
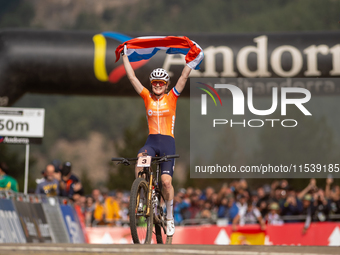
264, 128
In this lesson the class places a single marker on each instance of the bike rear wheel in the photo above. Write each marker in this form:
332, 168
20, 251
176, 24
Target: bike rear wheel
161, 236
140, 225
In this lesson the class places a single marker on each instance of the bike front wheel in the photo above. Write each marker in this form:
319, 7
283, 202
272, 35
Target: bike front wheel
140, 224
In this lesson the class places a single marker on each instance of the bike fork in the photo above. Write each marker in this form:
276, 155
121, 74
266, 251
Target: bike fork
149, 195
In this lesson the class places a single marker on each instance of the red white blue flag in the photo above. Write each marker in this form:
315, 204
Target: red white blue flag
142, 48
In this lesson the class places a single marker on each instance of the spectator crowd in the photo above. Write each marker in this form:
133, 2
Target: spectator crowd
273, 204
234, 203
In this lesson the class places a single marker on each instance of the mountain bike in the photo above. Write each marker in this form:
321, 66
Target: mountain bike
147, 207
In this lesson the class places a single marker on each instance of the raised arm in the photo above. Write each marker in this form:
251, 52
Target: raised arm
235, 222
131, 75
311, 185
183, 79
328, 192
261, 222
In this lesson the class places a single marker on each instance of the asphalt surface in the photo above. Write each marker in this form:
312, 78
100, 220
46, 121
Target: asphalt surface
130, 249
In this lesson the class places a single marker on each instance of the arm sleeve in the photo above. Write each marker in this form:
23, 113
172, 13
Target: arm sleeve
145, 94
174, 94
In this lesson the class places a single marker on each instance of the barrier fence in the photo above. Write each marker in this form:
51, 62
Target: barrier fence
38, 219
319, 233
285, 218
41, 219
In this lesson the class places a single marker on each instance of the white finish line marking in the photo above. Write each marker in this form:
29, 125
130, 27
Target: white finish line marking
144, 250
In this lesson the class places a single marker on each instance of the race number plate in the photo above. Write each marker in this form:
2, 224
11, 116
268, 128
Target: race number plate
144, 161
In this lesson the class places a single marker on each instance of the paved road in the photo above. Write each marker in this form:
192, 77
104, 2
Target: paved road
77, 249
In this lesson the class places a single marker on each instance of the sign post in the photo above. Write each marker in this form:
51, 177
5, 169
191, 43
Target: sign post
22, 126
27, 157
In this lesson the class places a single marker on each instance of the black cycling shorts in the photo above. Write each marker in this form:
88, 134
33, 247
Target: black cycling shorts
161, 145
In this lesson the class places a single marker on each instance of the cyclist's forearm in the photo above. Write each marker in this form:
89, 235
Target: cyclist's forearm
128, 68
183, 79
131, 75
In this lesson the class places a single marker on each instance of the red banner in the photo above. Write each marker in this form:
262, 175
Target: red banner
326, 233
81, 221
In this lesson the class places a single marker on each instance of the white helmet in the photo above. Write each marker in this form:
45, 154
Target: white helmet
159, 74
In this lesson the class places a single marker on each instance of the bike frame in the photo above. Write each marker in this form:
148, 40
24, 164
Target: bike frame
153, 209
148, 171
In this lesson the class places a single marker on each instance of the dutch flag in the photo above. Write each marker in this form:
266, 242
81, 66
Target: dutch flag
143, 48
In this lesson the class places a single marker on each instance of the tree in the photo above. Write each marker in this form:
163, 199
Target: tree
134, 138
16, 166
87, 21
310, 142
86, 182
226, 150
16, 13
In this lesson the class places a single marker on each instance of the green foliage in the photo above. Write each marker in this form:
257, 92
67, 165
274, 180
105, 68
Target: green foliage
86, 182
182, 129
87, 21
225, 149
16, 13
72, 118
134, 138
223, 16
16, 163
299, 145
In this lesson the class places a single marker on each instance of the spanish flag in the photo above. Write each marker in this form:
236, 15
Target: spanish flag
248, 236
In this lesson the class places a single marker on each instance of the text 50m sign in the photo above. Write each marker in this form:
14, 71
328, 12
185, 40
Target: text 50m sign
19, 125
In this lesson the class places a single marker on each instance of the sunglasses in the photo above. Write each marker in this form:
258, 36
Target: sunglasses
160, 83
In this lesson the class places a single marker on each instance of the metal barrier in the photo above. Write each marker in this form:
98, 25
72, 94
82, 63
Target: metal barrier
285, 218
36, 218
220, 221
198, 222
120, 223
35, 198
303, 217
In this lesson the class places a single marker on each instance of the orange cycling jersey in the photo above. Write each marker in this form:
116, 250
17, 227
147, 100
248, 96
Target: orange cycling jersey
161, 113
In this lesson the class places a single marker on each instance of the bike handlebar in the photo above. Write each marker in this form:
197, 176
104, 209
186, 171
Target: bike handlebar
120, 159
126, 161
166, 156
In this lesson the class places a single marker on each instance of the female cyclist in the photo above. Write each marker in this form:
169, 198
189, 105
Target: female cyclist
161, 113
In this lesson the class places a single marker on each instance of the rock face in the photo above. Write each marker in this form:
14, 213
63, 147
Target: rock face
58, 14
